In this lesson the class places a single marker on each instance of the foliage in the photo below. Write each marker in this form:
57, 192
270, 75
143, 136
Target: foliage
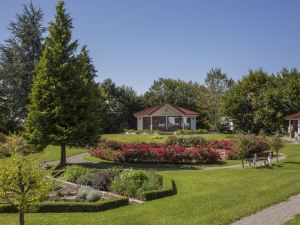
260, 100
85, 179
72, 173
133, 183
120, 102
148, 153
217, 83
23, 183
102, 179
65, 207
83, 191
64, 98
18, 57
93, 196
276, 144
13, 143
169, 188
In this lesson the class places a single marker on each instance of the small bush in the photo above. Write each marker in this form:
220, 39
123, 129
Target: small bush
133, 183
101, 180
72, 173
85, 179
12, 143
83, 191
93, 196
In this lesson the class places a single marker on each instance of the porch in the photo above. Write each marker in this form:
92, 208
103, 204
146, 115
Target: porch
166, 117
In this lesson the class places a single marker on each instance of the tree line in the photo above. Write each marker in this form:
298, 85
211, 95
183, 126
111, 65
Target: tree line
44, 79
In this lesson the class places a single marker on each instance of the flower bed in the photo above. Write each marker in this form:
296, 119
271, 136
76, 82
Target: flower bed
153, 152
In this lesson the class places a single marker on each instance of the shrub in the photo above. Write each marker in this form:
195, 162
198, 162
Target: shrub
2, 138
93, 196
133, 183
83, 191
101, 180
72, 173
85, 179
12, 143
63, 207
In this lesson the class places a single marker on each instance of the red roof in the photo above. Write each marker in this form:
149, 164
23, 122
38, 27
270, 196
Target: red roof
293, 116
152, 109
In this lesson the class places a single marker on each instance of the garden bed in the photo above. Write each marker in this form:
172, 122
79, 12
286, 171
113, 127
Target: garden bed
137, 185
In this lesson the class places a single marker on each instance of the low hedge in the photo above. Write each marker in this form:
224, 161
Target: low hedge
63, 207
169, 189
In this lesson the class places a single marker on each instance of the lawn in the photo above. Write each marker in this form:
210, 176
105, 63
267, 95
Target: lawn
204, 197
295, 221
159, 138
52, 153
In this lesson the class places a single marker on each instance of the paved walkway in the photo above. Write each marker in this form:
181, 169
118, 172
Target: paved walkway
80, 159
275, 215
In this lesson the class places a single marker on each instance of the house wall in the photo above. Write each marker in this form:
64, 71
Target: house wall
167, 110
140, 123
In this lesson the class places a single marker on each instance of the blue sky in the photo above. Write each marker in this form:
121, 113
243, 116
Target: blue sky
134, 42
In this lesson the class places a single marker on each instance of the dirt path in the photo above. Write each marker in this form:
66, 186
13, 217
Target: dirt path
275, 215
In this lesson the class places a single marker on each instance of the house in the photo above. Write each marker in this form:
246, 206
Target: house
294, 125
166, 117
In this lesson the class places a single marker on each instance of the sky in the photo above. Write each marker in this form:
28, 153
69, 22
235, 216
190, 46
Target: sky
135, 42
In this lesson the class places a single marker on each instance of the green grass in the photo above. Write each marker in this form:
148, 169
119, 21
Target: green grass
160, 138
204, 197
52, 153
295, 221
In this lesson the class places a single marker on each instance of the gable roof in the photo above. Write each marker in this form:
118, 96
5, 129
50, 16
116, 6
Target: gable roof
152, 109
293, 116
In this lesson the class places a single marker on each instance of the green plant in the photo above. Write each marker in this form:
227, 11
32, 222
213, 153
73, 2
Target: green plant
93, 196
13, 143
64, 207
83, 191
72, 173
85, 179
102, 179
23, 183
133, 183
241, 143
276, 144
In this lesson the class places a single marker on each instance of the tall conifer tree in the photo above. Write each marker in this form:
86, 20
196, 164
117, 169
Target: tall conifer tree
18, 57
62, 109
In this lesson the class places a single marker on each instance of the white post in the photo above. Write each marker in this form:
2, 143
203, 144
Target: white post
298, 133
151, 123
183, 122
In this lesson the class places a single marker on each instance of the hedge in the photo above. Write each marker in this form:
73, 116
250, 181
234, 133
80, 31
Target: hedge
169, 189
62, 207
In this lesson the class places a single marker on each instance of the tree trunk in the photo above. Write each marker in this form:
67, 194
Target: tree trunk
21, 217
277, 157
63, 157
243, 163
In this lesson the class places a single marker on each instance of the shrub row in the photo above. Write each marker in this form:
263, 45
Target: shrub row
169, 189
167, 154
63, 207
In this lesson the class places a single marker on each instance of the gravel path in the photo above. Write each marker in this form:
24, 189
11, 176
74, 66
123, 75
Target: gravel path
275, 215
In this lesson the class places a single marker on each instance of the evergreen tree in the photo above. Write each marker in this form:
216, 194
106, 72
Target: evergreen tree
18, 57
63, 108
